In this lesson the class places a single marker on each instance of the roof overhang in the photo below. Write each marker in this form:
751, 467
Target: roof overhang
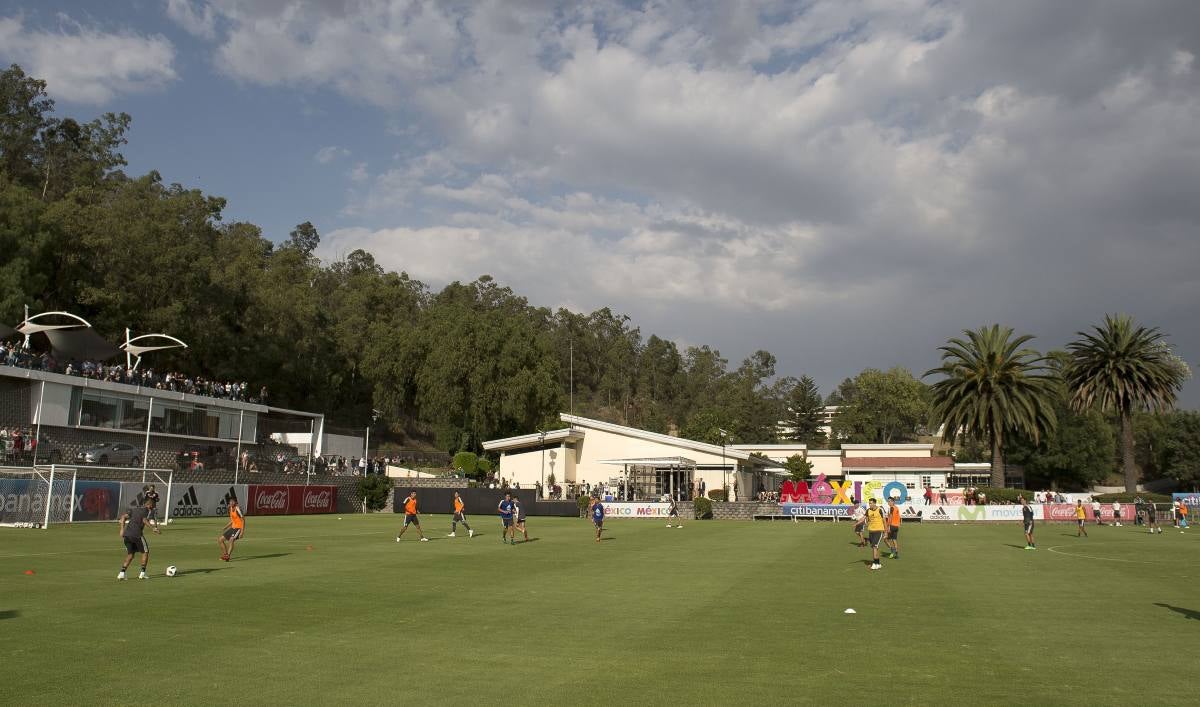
588, 423
537, 439
652, 461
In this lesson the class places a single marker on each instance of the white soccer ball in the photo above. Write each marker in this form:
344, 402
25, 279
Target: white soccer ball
172, 570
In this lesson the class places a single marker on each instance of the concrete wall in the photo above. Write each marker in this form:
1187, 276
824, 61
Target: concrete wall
887, 450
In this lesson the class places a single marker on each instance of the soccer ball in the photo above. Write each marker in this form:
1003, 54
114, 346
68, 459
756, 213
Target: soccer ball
172, 570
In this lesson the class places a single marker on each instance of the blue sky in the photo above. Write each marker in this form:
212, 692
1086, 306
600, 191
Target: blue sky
845, 183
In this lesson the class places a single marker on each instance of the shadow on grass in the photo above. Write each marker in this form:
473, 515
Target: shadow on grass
529, 540
9, 614
199, 570
260, 557
1019, 547
1187, 613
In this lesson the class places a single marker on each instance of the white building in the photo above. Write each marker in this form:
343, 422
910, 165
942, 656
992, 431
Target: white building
595, 452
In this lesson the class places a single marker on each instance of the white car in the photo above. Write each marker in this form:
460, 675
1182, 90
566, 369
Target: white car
114, 454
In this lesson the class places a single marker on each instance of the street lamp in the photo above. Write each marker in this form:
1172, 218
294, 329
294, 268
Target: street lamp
375, 415
542, 444
724, 469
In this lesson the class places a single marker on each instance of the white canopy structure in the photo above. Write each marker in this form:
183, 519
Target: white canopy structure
135, 350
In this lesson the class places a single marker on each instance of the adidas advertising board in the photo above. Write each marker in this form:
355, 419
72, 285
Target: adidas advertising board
194, 500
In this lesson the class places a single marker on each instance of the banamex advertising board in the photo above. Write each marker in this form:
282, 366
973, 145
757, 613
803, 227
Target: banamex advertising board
291, 500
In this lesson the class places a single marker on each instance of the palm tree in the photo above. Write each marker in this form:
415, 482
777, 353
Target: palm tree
992, 387
1122, 367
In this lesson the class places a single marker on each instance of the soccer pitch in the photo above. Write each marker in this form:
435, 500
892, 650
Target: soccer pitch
322, 610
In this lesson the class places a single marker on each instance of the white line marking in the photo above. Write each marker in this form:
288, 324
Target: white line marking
1106, 559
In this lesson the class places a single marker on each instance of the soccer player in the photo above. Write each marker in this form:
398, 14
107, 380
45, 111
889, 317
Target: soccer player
1027, 517
459, 517
860, 522
597, 511
893, 530
233, 531
1096, 511
875, 527
151, 495
673, 513
1183, 516
505, 508
1080, 520
133, 523
410, 517
519, 520
1116, 514
1152, 518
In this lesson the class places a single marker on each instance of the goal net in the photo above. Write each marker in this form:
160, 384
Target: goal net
32, 498
41, 496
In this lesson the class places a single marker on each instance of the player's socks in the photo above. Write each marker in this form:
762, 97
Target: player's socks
121, 574
470, 533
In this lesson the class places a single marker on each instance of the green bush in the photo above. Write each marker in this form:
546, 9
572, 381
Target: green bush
467, 461
717, 494
703, 508
1128, 497
483, 466
583, 502
1004, 497
375, 490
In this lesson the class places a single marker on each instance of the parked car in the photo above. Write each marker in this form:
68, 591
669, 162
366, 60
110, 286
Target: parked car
113, 454
206, 456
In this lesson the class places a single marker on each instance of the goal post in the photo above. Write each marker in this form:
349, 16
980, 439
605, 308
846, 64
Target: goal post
45, 495
34, 498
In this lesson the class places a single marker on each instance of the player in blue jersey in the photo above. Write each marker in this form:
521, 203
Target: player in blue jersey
597, 512
505, 509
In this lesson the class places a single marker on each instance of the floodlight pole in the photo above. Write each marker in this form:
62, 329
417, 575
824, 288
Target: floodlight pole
724, 468
37, 436
542, 444
146, 448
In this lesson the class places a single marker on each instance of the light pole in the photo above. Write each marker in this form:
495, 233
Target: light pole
542, 444
367, 442
724, 469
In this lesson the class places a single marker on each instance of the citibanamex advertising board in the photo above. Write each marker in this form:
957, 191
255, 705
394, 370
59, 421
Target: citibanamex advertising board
92, 500
265, 500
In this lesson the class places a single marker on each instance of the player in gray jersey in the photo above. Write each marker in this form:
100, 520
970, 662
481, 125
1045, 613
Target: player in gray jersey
133, 526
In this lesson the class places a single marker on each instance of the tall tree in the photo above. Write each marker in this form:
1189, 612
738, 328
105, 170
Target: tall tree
990, 387
1122, 367
804, 412
887, 407
1181, 453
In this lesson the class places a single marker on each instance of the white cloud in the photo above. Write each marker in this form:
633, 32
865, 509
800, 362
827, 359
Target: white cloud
860, 166
329, 153
197, 18
86, 64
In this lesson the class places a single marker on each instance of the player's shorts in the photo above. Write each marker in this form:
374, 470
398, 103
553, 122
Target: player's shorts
1080, 521
893, 532
1117, 515
152, 514
598, 523
135, 545
874, 537
233, 534
520, 521
859, 525
460, 517
673, 514
507, 522
411, 520
1029, 527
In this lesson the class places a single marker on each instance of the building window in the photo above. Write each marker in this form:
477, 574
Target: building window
926, 481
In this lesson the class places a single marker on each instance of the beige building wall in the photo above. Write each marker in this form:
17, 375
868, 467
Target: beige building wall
825, 461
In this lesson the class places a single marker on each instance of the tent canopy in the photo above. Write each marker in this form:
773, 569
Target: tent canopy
81, 344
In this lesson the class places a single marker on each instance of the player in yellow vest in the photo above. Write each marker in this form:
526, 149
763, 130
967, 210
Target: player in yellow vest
1080, 520
876, 524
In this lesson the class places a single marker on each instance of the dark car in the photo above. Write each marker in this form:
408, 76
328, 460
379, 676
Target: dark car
205, 455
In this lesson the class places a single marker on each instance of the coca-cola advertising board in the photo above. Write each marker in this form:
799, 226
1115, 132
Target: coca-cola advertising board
267, 500
277, 500
312, 499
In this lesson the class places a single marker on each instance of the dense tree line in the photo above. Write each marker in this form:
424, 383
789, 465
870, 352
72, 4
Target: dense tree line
453, 367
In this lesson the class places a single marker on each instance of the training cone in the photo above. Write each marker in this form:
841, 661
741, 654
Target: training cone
849, 611
30, 572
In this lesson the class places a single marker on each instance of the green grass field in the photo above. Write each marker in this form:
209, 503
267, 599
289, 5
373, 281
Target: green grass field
317, 610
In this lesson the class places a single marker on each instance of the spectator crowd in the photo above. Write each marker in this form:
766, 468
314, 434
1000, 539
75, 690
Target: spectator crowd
13, 355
